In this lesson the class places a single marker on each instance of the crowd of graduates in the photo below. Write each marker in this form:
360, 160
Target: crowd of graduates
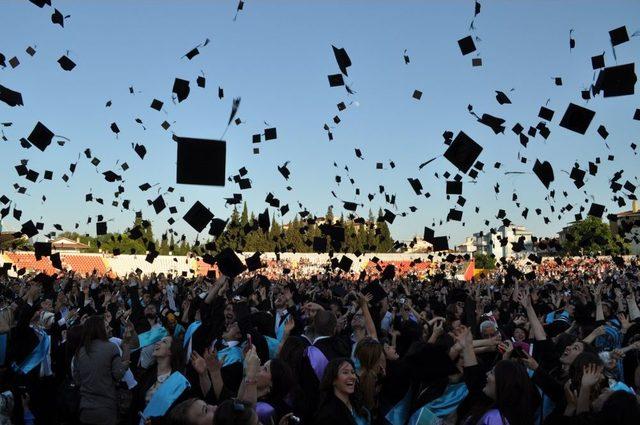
560, 346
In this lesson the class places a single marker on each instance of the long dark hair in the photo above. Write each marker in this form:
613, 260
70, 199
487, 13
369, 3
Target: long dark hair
621, 408
577, 367
282, 380
516, 396
177, 355
93, 329
326, 385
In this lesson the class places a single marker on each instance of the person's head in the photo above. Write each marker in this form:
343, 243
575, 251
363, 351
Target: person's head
370, 353
577, 368
169, 348
229, 313
150, 312
619, 408
488, 329
93, 329
509, 386
235, 412
324, 323
357, 321
192, 412
232, 332
47, 305
339, 377
574, 350
519, 334
275, 376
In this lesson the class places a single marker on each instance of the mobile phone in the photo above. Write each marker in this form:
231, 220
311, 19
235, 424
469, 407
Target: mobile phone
249, 340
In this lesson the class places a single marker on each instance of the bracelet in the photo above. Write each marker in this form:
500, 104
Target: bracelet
250, 381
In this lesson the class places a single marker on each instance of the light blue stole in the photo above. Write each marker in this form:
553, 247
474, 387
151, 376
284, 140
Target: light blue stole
178, 330
165, 395
189, 333
230, 355
37, 355
280, 327
151, 337
442, 406
273, 345
400, 412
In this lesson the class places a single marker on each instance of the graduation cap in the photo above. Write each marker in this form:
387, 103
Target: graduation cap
200, 161
619, 36
201, 82
198, 216
58, 18
156, 104
616, 81
41, 136
467, 45
319, 244
345, 263
270, 133
596, 210
602, 131
406, 57
376, 290
576, 118
342, 58
597, 61
228, 263
440, 243
454, 188
159, 204
336, 80
545, 113
192, 53
101, 228
495, 123
181, 89
29, 229
140, 150
417, 94
463, 152
544, 171
66, 63
476, 62
14, 62
253, 262
217, 227
42, 249
10, 97
284, 170
502, 98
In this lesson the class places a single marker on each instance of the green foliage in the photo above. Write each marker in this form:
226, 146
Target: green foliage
485, 261
593, 237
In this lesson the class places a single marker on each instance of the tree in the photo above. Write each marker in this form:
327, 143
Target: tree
593, 237
485, 261
329, 215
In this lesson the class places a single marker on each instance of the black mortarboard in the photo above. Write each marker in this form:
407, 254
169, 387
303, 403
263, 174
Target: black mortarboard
558, 81
388, 216
66, 63
454, 188
319, 244
517, 128
140, 150
416, 185
463, 152
376, 290
467, 45
270, 133
342, 58
476, 62
29, 229
253, 262
619, 36
165, 125
576, 118
159, 204
284, 170
495, 123
201, 82
545, 113
336, 80
56, 261
602, 131
597, 62
263, 221
636, 115
440, 243
192, 53
181, 89
101, 228
10, 97
41, 136
350, 206
42, 249
14, 62
198, 216
454, 215
156, 104
616, 80
417, 94
32, 175
217, 227
228, 263
596, 210
502, 98
114, 128
200, 161
544, 171
345, 263
220, 92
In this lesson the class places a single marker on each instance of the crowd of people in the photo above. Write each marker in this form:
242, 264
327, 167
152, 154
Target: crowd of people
556, 345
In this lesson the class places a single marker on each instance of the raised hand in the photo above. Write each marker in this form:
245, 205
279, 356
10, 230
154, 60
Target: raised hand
211, 359
198, 363
591, 374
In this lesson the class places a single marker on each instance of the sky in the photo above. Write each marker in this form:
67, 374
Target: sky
276, 57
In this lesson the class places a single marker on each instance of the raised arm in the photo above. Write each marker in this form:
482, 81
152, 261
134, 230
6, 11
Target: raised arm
536, 327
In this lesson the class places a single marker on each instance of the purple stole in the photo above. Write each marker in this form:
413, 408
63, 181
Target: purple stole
317, 359
265, 411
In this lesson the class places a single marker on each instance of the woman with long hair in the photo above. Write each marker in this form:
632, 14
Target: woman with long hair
97, 368
276, 391
370, 354
340, 398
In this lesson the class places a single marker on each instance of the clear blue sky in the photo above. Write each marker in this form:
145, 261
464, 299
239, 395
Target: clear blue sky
277, 56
